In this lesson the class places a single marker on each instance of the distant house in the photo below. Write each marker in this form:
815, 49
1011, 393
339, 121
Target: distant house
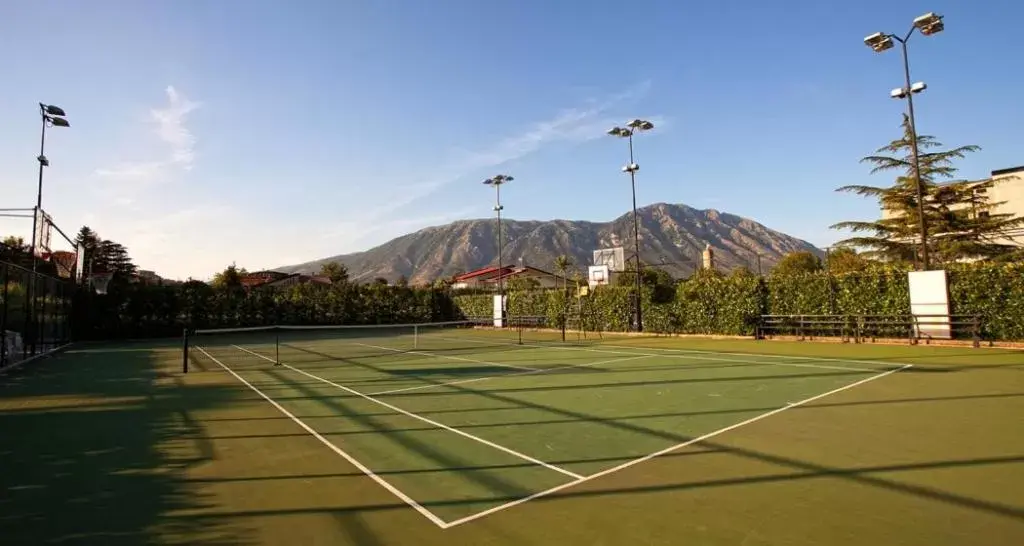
544, 279
489, 277
292, 280
476, 279
259, 278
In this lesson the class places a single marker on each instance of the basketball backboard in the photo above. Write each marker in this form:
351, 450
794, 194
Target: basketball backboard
599, 275
614, 258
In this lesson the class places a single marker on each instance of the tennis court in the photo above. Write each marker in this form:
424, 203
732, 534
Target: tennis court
482, 434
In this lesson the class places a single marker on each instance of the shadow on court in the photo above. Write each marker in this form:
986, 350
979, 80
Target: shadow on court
85, 458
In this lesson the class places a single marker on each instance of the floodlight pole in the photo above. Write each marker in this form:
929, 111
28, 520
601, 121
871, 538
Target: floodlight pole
39, 189
50, 115
497, 181
927, 24
631, 168
915, 154
636, 240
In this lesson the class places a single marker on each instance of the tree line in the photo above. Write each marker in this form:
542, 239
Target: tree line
99, 255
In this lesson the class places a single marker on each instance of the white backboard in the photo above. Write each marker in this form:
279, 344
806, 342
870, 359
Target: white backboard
929, 303
599, 275
614, 258
499, 308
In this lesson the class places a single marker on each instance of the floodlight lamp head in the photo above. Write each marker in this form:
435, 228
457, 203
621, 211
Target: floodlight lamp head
879, 42
641, 125
929, 23
43, 161
918, 87
57, 122
620, 132
631, 168
898, 93
498, 180
52, 110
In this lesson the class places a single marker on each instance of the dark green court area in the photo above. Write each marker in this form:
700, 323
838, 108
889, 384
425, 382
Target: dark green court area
476, 436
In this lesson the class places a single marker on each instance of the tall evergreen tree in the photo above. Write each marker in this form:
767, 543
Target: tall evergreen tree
959, 219
104, 255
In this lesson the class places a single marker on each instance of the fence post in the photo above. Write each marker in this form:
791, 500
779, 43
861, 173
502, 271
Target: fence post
5, 277
976, 331
184, 350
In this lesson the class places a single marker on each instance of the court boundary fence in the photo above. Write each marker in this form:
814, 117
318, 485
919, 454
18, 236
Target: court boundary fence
36, 314
861, 328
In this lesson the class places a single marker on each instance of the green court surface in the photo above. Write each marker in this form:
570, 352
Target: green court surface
473, 436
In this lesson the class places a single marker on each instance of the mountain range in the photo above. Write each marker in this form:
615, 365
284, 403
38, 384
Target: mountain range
672, 236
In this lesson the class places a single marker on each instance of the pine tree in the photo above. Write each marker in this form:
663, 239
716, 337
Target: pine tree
104, 255
958, 213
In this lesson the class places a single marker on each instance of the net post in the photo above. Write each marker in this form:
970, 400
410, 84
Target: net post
184, 350
277, 347
415, 336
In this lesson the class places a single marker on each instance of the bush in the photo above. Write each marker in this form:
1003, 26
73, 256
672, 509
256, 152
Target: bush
706, 303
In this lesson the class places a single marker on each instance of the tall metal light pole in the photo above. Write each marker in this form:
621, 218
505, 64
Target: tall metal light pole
627, 133
928, 24
52, 116
496, 181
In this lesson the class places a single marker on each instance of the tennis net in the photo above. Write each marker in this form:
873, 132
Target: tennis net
262, 345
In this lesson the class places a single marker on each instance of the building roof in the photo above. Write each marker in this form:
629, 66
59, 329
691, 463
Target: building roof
1009, 170
296, 276
479, 272
525, 270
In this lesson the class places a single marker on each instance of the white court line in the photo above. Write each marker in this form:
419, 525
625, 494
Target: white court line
688, 357
420, 417
449, 357
814, 358
533, 371
671, 448
394, 490
40, 356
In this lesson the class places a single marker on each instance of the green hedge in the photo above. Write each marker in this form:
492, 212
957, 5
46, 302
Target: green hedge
993, 291
707, 303
712, 303
136, 311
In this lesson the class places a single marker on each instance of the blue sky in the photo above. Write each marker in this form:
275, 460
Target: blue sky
268, 133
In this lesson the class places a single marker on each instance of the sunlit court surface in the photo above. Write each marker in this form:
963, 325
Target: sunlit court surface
453, 434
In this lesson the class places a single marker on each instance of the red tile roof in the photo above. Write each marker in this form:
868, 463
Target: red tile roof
483, 271
519, 271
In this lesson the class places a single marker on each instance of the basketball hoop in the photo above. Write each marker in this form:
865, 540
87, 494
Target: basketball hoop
100, 281
64, 262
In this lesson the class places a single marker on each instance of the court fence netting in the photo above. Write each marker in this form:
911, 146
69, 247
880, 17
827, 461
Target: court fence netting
264, 345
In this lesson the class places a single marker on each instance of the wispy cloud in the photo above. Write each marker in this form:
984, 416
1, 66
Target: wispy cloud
586, 122
171, 130
171, 127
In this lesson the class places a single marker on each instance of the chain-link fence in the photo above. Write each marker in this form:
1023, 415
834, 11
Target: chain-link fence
35, 313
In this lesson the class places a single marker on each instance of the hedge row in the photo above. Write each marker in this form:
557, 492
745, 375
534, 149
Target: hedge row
707, 303
157, 311
710, 303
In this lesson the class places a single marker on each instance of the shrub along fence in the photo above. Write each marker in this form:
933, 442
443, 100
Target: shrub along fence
707, 303
712, 303
141, 311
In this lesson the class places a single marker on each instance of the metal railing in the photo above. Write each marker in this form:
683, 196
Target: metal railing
861, 328
35, 313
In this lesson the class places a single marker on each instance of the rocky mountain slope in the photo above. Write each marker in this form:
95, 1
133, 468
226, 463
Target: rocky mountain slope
671, 235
